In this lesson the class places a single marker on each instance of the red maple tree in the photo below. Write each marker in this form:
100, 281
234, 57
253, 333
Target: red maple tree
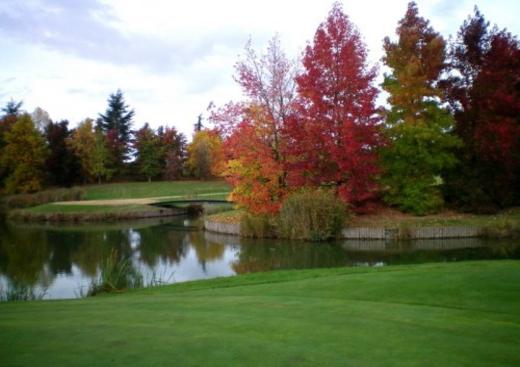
334, 139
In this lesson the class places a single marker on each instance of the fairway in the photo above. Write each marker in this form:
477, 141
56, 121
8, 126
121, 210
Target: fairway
457, 314
135, 190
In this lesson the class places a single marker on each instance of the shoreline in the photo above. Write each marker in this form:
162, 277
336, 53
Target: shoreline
389, 233
22, 215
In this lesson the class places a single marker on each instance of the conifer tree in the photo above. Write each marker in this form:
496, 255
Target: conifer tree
62, 165
117, 122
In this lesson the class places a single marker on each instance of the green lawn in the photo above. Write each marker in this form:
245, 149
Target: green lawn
90, 209
65, 212
451, 314
133, 190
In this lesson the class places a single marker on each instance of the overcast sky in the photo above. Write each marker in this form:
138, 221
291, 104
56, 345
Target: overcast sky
171, 58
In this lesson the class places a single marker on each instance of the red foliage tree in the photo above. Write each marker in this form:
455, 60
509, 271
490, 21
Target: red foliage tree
484, 95
255, 130
253, 167
498, 83
334, 141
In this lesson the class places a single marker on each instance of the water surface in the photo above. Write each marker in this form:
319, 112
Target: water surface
60, 260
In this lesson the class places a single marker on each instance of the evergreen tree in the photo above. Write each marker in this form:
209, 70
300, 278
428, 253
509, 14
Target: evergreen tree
62, 165
118, 119
12, 108
6, 123
24, 156
419, 130
198, 125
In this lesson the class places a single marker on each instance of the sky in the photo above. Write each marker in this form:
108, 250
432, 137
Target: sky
172, 58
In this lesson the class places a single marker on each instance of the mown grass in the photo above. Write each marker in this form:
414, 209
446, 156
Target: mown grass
133, 190
57, 208
65, 212
451, 314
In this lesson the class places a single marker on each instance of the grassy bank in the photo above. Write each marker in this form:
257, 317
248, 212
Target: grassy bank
389, 218
503, 224
112, 201
70, 213
135, 190
425, 315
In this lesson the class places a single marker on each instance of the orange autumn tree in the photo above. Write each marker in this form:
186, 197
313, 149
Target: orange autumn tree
255, 130
253, 169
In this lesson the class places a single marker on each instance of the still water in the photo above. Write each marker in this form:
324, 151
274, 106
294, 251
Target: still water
60, 261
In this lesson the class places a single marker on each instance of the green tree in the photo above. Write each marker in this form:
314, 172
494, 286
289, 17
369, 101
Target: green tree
419, 129
148, 152
24, 156
118, 119
100, 157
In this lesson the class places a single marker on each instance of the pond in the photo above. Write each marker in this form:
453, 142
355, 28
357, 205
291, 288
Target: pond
60, 260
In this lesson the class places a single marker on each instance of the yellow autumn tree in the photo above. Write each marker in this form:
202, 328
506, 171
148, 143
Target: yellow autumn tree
23, 157
205, 155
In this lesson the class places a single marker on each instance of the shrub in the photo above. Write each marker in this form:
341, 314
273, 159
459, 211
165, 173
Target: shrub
257, 226
502, 229
116, 275
315, 215
43, 197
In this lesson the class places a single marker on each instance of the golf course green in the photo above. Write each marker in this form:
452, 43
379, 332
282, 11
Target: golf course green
444, 314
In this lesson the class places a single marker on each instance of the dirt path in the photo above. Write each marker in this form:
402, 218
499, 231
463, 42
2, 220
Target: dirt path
139, 201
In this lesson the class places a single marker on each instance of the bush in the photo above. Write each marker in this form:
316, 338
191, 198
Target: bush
43, 197
315, 215
502, 229
257, 226
116, 275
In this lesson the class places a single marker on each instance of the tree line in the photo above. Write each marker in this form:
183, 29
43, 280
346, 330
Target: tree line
37, 152
449, 134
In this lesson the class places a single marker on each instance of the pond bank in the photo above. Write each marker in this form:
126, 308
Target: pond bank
360, 233
384, 227
80, 213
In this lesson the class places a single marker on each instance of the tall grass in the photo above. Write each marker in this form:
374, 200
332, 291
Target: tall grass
47, 196
117, 274
501, 229
257, 226
20, 292
315, 215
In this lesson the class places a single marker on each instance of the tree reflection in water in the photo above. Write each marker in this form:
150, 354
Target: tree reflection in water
34, 257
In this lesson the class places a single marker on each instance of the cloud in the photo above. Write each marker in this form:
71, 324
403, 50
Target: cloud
88, 29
